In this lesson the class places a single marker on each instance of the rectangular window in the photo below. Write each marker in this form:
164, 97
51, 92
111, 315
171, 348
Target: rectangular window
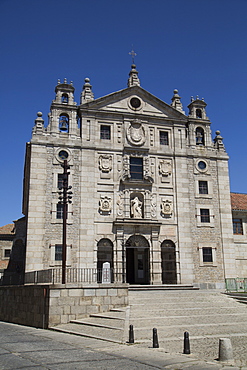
204, 214
7, 253
164, 138
207, 255
60, 180
58, 252
203, 187
237, 226
105, 132
59, 211
136, 168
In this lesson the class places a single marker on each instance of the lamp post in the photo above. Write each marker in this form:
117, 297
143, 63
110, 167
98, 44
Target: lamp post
64, 198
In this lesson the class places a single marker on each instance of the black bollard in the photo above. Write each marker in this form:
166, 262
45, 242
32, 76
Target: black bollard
155, 338
186, 343
131, 334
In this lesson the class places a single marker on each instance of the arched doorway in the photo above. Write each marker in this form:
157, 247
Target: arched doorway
104, 254
168, 262
137, 260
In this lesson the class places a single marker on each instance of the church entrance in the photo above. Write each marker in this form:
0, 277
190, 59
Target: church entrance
137, 260
168, 262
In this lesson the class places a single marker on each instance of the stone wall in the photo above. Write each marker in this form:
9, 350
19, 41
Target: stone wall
44, 306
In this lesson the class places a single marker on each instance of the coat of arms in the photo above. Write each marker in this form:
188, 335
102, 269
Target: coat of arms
136, 133
105, 163
105, 204
165, 167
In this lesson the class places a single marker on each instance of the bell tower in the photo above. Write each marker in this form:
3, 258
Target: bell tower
63, 114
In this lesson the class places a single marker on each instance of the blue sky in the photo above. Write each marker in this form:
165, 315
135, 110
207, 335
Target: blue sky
196, 46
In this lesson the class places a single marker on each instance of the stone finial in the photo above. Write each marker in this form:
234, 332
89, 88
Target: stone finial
87, 94
39, 124
65, 81
218, 141
176, 101
133, 77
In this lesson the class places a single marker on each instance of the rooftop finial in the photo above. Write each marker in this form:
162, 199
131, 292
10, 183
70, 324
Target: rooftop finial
133, 55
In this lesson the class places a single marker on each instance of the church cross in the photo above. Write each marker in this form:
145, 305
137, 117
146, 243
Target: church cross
133, 54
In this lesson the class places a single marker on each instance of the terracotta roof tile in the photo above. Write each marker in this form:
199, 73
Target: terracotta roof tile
3, 264
7, 229
239, 201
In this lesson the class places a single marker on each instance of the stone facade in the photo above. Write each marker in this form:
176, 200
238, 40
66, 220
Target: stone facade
150, 188
7, 234
239, 215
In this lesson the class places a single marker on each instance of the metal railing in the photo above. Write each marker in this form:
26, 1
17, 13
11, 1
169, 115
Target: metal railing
73, 275
236, 285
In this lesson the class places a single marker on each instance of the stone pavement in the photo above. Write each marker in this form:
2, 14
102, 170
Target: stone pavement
30, 348
206, 315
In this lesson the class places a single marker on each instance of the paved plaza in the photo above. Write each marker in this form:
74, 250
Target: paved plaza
30, 348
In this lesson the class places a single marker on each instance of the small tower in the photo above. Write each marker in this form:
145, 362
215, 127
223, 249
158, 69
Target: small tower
39, 124
197, 108
176, 101
86, 94
63, 115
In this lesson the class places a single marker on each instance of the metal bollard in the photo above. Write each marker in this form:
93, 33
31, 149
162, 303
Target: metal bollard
186, 343
131, 334
155, 338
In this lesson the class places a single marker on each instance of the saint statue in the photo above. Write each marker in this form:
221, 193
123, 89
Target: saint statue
136, 208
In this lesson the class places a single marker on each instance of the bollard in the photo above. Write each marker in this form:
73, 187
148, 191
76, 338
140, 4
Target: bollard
131, 334
155, 338
225, 349
186, 343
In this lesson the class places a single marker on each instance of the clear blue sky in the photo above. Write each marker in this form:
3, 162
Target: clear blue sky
196, 46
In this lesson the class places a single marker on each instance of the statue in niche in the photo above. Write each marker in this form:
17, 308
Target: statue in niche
165, 167
166, 207
105, 163
136, 208
105, 204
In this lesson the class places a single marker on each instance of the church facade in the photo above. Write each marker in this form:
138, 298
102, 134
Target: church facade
150, 188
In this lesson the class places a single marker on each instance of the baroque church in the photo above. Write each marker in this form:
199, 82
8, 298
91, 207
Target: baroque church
150, 188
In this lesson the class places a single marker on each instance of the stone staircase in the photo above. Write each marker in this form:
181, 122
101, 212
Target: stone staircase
206, 315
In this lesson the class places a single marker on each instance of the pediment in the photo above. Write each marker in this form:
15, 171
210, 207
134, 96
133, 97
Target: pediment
121, 102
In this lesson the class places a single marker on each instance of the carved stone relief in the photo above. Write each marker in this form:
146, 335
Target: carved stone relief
120, 204
105, 204
166, 207
136, 134
165, 169
153, 206
105, 163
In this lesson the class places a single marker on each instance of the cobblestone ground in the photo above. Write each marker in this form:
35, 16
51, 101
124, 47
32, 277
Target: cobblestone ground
206, 315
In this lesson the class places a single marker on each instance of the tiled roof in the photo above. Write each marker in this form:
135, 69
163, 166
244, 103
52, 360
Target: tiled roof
7, 229
239, 201
3, 264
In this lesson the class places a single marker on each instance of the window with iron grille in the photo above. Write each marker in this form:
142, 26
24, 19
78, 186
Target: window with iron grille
203, 187
58, 252
59, 211
136, 168
207, 254
60, 180
204, 214
237, 226
164, 138
105, 132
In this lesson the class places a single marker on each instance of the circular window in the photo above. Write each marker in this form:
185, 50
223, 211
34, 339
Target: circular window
135, 103
202, 165
63, 155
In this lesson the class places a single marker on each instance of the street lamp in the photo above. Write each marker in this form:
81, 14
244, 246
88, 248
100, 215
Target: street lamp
65, 196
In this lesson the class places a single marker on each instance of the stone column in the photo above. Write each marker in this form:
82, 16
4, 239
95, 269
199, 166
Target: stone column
119, 260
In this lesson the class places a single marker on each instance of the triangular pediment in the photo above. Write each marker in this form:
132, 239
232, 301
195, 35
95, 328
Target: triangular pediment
121, 102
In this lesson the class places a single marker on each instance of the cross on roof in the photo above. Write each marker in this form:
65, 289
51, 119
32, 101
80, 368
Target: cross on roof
133, 54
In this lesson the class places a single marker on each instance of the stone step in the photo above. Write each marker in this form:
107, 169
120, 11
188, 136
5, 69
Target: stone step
165, 287
156, 321
177, 331
114, 324
103, 333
